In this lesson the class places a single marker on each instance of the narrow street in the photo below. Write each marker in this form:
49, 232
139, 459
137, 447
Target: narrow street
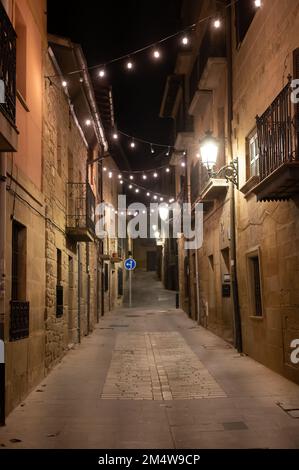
149, 377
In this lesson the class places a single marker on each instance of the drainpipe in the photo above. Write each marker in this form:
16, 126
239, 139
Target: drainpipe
233, 247
79, 294
101, 241
88, 287
3, 163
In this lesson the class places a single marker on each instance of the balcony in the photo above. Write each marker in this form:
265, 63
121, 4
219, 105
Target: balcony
80, 219
8, 131
278, 140
206, 189
212, 46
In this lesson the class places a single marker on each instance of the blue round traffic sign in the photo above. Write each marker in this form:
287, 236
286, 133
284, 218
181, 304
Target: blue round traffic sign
130, 264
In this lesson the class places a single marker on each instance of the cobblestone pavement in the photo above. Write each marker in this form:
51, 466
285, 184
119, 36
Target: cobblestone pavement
149, 377
157, 366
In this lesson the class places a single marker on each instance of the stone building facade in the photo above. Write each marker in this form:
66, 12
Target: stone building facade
22, 209
227, 78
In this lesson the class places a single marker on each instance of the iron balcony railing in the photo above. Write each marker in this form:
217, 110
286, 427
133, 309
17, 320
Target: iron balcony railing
8, 65
19, 320
80, 207
212, 45
278, 133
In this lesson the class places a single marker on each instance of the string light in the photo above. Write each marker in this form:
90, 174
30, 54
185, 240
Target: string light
64, 83
131, 177
161, 199
144, 177
129, 65
136, 190
88, 122
183, 164
167, 170
132, 144
217, 23
155, 175
104, 168
258, 3
155, 197
148, 194
156, 54
110, 174
130, 186
121, 182
185, 40
152, 149
115, 136
171, 201
102, 73
168, 152
119, 177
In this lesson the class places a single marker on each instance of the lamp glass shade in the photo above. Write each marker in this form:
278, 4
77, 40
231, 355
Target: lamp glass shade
209, 148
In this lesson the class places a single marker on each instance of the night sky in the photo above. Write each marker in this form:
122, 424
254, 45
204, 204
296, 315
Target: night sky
106, 30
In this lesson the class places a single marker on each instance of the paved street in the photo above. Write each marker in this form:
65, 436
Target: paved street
149, 377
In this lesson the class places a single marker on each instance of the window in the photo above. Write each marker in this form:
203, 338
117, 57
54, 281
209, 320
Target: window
18, 273
255, 285
245, 11
252, 155
59, 287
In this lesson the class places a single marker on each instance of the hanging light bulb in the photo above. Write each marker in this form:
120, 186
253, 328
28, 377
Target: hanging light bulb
217, 23
64, 83
143, 212
81, 80
167, 170
121, 182
130, 186
171, 201
183, 164
258, 3
135, 214
110, 174
156, 54
131, 177
152, 149
157, 234
88, 122
115, 135
104, 168
161, 199
136, 190
129, 65
185, 40
155, 197
102, 73
144, 177
119, 177
116, 212
168, 152
132, 144
148, 194
155, 175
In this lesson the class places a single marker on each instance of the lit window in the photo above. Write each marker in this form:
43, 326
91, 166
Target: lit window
253, 155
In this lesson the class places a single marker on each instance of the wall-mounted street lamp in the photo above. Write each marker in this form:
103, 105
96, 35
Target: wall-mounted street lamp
209, 150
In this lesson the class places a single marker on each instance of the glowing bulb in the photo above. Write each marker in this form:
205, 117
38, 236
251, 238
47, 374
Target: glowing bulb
116, 212
155, 175
136, 190
64, 83
185, 40
122, 213
148, 194
88, 122
183, 164
81, 80
171, 200
155, 228
198, 155
155, 197
110, 174
157, 234
217, 23
102, 73
258, 3
132, 144
136, 213
152, 149
161, 199
131, 177
156, 54
121, 182
168, 152
152, 211
119, 177
167, 170
130, 186
129, 65
143, 212
115, 136
104, 168
144, 177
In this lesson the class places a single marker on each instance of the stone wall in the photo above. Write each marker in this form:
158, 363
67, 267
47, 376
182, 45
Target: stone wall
261, 66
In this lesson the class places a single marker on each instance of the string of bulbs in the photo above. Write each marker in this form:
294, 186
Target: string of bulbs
156, 53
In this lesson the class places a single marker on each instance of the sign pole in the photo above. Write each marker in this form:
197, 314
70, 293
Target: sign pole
130, 288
